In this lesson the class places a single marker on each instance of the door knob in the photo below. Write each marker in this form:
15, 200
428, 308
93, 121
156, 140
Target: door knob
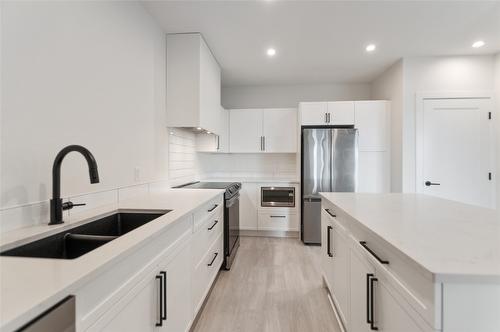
429, 183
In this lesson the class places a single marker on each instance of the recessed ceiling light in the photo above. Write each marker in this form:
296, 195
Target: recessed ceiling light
371, 47
208, 132
271, 52
478, 44
198, 128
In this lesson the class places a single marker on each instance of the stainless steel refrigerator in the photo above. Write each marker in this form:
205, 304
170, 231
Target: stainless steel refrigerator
329, 164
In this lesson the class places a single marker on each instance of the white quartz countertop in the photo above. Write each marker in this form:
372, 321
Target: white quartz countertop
29, 286
453, 241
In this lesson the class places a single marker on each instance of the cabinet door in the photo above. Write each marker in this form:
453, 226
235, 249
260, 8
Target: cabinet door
210, 89
245, 130
341, 113
359, 269
372, 122
280, 130
249, 203
312, 114
389, 314
178, 291
137, 311
340, 270
374, 172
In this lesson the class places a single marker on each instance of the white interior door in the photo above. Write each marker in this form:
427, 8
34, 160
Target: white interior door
456, 155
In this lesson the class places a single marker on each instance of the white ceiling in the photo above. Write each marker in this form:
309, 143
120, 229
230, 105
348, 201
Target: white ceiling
324, 41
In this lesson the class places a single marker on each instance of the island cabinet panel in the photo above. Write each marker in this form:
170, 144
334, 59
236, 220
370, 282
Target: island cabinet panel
372, 286
335, 259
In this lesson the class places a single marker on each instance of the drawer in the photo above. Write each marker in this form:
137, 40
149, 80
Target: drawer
278, 221
211, 208
205, 272
205, 235
412, 282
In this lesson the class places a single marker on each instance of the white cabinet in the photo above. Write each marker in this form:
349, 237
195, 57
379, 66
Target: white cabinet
193, 83
278, 220
249, 204
219, 142
373, 124
245, 130
361, 272
263, 130
335, 261
279, 130
177, 295
313, 113
327, 113
160, 301
139, 311
341, 113
374, 174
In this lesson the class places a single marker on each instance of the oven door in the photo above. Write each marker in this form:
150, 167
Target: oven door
231, 229
277, 197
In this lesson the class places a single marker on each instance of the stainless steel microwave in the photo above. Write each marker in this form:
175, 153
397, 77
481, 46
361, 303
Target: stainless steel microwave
277, 196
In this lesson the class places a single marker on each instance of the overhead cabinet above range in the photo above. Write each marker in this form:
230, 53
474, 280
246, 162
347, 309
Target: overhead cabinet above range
193, 84
263, 130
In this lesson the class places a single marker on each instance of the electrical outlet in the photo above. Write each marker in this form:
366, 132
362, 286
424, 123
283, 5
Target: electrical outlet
137, 174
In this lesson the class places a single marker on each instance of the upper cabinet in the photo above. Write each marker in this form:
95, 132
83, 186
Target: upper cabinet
215, 142
193, 84
263, 130
373, 124
335, 113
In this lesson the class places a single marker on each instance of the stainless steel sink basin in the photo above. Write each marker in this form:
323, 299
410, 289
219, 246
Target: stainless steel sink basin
77, 241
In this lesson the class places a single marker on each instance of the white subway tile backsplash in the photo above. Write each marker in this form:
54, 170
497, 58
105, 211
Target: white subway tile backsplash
183, 164
132, 191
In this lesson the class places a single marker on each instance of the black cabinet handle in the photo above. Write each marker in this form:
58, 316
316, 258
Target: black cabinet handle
164, 313
330, 213
212, 227
278, 216
381, 261
372, 321
213, 259
429, 183
215, 206
368, 313
328, 234
160, 278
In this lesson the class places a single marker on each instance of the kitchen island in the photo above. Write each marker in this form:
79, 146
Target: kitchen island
411, 262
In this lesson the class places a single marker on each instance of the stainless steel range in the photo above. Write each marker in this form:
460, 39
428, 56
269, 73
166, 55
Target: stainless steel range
231, 215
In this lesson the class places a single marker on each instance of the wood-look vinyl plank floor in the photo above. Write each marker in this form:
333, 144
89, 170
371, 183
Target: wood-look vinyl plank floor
274, 285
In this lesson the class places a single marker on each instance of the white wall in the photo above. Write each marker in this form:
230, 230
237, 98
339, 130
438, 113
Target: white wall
89, 73
389, 86
437, 74
275, 96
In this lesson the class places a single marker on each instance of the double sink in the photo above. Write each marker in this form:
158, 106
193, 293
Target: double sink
77, 241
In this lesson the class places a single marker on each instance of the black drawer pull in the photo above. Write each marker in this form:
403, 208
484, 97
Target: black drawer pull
330, 213
381, 261
278, 216
215, 206
212, 227
372, 321
164, 313
160, 322
213, 259
368, 313
328, 240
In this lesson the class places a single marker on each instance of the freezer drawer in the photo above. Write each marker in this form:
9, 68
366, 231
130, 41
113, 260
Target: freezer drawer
311, 221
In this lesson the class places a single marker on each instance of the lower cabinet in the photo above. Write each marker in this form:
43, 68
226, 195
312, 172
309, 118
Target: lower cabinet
161, 301
364, 295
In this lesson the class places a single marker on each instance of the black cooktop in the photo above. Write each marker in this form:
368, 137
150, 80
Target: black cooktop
209, 185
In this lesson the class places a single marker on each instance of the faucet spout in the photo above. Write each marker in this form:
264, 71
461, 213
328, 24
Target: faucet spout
56, 205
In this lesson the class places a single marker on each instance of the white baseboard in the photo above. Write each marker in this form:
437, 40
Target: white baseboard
287, 234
